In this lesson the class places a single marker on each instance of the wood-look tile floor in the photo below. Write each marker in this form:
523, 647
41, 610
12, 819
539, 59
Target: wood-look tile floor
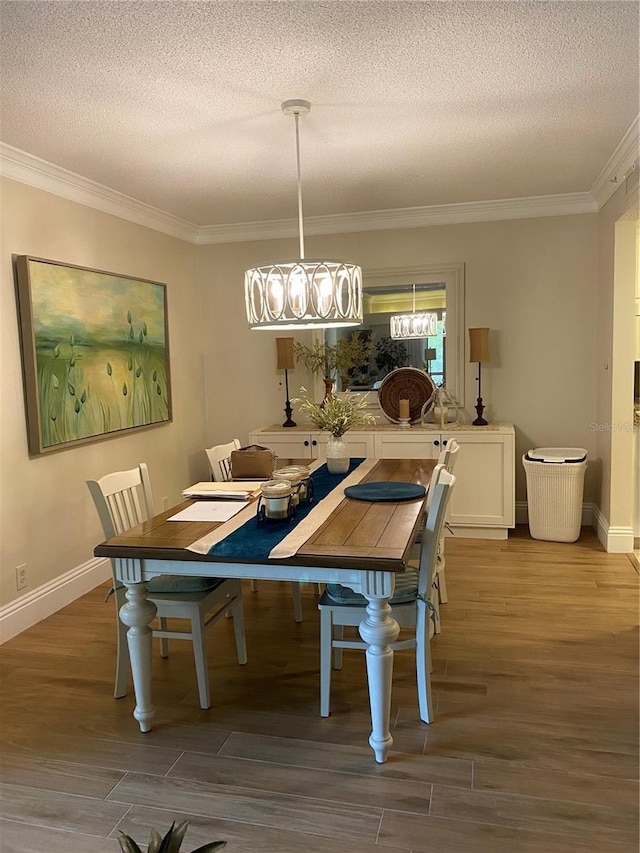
534, 746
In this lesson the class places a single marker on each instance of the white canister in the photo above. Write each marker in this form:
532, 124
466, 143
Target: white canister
305, 473
293, 476
276, 495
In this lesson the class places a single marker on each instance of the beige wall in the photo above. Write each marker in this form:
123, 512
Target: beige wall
615, 345
531, 281
47, 519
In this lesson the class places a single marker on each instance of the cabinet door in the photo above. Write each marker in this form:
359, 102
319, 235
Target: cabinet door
287, 444
484, 492
361, 444
407, 445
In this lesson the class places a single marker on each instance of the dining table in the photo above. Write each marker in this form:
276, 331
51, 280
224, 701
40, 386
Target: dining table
360, 544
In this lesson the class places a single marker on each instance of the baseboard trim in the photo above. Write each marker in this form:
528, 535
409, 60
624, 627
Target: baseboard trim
35, 606
467, 532
615, 540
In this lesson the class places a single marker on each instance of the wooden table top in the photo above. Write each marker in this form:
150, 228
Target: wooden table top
357, 534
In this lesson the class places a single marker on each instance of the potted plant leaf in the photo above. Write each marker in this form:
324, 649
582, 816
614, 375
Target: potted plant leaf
171, 842
335, 360
390, 354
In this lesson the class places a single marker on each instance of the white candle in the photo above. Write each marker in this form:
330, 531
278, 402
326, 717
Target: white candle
404, 409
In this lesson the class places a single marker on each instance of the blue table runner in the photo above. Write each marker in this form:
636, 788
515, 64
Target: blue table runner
254, 541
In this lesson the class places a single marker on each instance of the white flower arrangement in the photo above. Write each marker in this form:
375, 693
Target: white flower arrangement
336, 415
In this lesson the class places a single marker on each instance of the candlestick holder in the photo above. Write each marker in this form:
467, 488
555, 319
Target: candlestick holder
479, 352
403, 423
286, 363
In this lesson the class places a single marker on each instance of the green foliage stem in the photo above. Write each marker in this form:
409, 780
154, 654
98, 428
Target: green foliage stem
339, 358
336, 415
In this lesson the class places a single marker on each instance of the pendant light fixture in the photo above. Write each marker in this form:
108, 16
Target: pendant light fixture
303, 293
424, 324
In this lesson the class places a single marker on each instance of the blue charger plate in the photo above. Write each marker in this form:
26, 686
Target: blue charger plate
385, 491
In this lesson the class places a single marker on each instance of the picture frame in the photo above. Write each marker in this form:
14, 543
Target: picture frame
95, 353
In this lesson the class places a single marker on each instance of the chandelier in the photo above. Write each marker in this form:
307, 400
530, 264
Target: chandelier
423, 324
303, 293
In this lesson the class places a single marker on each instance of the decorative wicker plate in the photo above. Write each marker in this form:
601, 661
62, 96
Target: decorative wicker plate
406, 383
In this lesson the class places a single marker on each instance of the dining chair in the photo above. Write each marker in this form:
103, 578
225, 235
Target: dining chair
448, 457
220, 461
219, 457
412, 605
124, 499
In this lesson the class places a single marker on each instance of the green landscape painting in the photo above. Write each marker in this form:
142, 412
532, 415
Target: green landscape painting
95, 353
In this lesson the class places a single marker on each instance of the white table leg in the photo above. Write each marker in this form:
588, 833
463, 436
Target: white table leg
137, 614
378, 631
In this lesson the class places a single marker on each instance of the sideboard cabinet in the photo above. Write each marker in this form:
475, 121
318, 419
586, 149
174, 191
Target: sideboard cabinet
483, 501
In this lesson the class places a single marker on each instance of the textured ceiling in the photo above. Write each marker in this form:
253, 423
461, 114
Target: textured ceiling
177, 104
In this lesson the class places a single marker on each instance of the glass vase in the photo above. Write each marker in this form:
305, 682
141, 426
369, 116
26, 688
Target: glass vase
337, 456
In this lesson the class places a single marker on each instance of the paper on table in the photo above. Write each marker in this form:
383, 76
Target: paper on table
231, 490
237, 491
209, 511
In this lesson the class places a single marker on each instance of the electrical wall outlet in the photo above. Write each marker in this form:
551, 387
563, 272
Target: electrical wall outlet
21, 576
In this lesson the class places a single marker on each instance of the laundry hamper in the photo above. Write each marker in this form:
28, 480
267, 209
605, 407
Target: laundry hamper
555, 484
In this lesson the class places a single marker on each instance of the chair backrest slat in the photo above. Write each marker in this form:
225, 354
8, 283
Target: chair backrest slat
449, 455
440, 496
125, 509
435, 474
117, 499
220, 459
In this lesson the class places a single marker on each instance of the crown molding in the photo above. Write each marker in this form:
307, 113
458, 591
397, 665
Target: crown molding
409, 217
27, 169
23, 167
618, 165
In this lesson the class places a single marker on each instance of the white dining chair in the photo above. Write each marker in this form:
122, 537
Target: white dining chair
219, 457
220, 461
448, 457
412, 605
123, 500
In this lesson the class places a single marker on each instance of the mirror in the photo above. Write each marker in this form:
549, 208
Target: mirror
439, 290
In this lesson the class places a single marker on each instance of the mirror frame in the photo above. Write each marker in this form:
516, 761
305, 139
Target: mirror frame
452, 275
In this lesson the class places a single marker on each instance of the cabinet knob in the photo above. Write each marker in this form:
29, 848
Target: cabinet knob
445, 441
306, 444
314, 442
436, 443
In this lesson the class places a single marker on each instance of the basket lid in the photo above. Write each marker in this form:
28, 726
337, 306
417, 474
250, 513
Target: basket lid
557, 455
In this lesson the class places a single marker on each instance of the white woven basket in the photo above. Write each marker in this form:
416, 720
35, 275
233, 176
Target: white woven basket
554, 496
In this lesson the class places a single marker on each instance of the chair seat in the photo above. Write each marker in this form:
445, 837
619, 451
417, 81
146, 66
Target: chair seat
406, 591
177, 583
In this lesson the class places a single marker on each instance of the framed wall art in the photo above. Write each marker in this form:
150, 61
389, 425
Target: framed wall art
95, 353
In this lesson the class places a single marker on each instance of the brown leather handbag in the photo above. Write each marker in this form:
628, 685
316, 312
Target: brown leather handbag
253, 463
